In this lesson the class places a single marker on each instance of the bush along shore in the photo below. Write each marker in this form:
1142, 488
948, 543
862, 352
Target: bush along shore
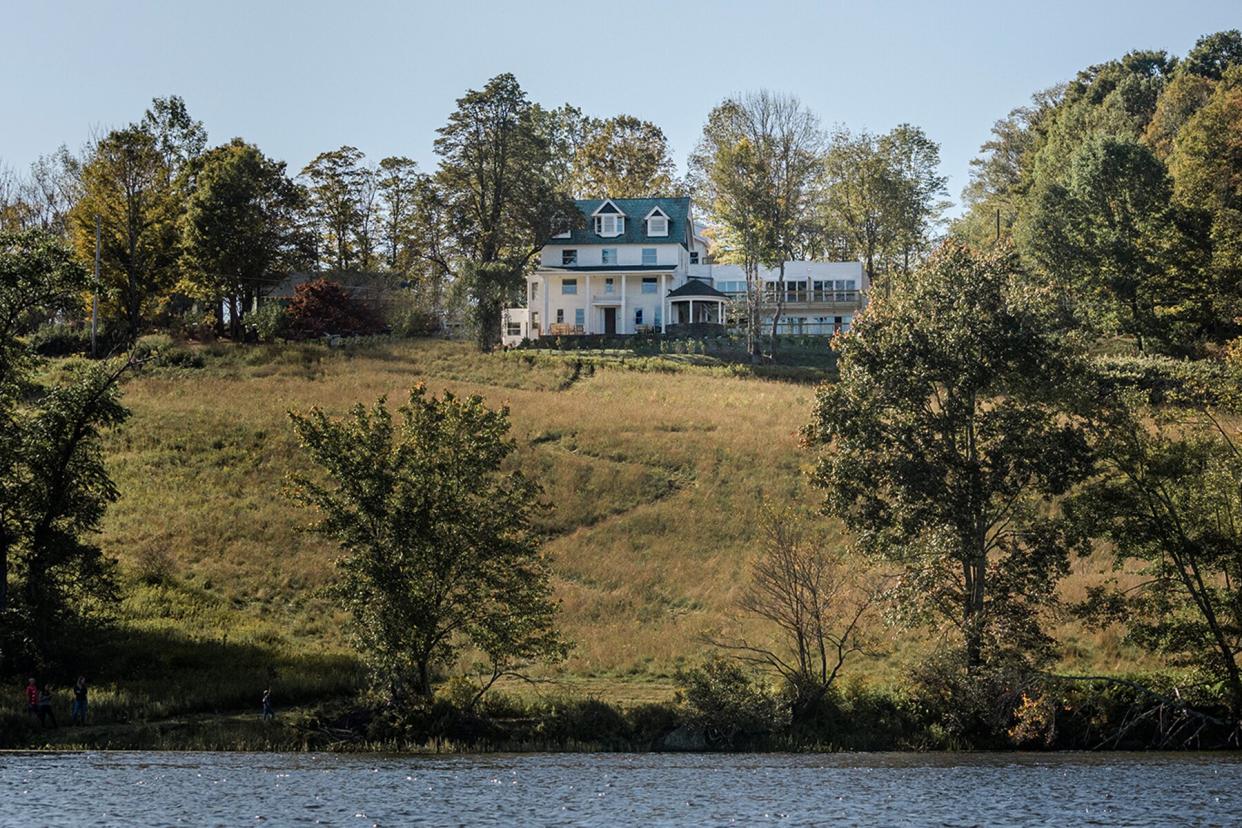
719, 707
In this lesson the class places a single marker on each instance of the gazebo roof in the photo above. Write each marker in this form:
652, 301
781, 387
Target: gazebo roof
696, 289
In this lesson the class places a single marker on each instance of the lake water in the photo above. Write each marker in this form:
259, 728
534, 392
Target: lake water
613, 789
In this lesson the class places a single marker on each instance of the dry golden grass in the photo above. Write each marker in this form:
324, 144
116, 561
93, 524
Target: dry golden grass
650, 481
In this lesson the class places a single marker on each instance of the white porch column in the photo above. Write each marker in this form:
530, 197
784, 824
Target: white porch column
664, 306
590, 308
545, 324
621, 327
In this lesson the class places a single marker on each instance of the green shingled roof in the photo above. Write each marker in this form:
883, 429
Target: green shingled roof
635, 209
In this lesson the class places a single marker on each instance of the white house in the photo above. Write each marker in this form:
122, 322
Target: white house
637, 266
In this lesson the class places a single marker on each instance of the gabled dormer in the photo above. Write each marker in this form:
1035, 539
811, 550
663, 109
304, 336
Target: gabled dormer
657, 222
609, 220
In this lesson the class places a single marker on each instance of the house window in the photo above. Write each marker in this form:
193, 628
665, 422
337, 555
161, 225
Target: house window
657, 226
609, 226
609, 285
534, 321
655, 317
534, 291
649, 255
569, 258
560, 316
694, 257
569, 286
513, 328
649, 284
610, 255
579, 316
638, 316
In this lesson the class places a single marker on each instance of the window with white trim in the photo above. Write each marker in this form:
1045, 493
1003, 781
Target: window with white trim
649, 255
610, 285
610, 225
638, 316
534, 291
560, 316
650, 284
513, 328
694, 257
569, 257
579, 316
569, 287
609, 255
657, 226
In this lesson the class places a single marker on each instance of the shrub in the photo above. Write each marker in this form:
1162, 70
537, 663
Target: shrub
322, 307
154, 566
269, 321
731, 706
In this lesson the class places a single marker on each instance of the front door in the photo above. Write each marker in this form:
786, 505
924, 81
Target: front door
610, 321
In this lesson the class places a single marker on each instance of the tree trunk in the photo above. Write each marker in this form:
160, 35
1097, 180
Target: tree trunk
780, 305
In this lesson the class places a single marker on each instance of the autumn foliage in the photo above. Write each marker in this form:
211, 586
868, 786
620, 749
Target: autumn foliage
322, 307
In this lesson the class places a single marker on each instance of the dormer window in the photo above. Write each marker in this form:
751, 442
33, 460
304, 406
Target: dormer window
609, 226
609, 220
657, 222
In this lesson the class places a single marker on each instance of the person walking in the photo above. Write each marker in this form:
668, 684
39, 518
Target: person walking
77, 714
268, 713
32, 698
45, 708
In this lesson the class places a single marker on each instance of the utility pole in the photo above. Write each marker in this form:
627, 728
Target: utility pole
95, 293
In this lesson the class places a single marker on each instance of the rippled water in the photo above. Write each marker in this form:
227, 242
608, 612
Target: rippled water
613, 789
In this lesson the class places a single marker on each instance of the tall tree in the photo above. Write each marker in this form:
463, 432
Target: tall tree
1206, 163
945, 442
439, 550
623, 157
342, 194
860, 196
496, 179
1168, 499
128, 185
53, 485
239, 227
397, 182
920, 192
1110, 240
762, 148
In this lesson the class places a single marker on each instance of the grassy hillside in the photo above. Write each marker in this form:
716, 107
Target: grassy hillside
650, 471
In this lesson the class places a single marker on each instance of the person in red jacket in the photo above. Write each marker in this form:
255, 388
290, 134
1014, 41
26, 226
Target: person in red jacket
32, 698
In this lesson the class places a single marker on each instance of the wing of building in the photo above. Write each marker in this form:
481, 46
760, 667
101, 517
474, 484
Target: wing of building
638, 266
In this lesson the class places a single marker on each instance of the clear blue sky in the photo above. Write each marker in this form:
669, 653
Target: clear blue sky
298, 78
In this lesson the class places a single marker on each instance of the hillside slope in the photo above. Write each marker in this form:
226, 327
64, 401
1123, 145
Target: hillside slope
649, 479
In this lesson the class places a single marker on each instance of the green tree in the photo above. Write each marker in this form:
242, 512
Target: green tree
341, 192
397, 185
1213, 54
919, 194
53, 484
944, 442
1206, 163
439, 554
756, 168
623, 157
1168, 497
239, 228
127, 183
496, 178
1111, 241
860, 198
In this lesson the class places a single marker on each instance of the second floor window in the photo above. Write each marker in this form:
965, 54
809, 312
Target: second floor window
534, 291
569, 286
649, 255
609, 255
609, 285
569, 257
694, 257
649, 284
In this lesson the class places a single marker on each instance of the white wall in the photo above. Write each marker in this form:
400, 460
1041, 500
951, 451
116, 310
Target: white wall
593, 314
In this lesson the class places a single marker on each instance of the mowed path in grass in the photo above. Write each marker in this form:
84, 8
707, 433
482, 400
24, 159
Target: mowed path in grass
651, 480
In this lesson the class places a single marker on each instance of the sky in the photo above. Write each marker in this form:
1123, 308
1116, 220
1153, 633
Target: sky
300, 78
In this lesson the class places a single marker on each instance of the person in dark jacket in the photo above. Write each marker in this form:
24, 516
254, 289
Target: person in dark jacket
77, 714
45, 707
